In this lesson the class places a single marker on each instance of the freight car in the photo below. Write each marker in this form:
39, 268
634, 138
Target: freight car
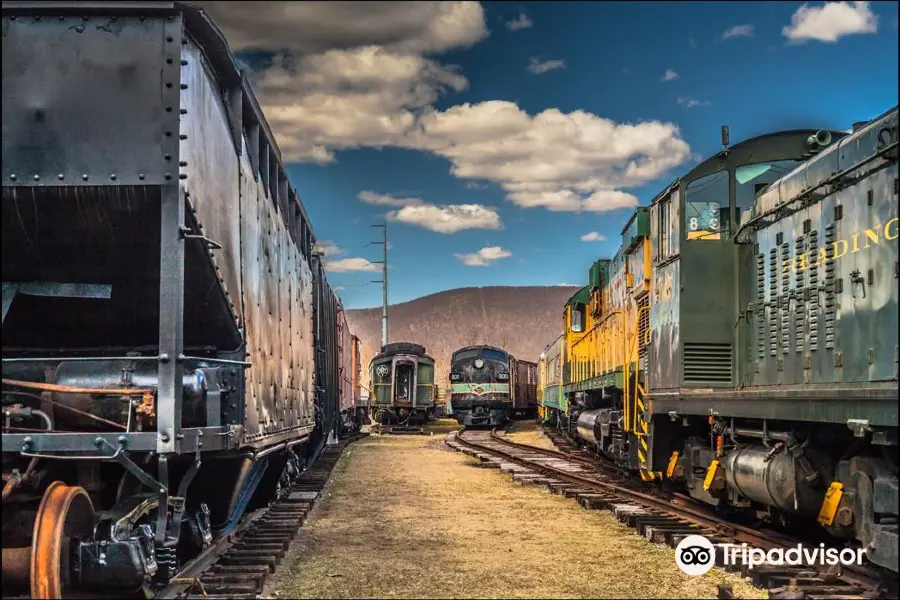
402, 386
351, 417
171, 349
488, 386
742, 344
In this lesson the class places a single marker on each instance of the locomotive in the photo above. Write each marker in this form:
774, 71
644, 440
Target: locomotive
741, 346
488, 386
403, 390
173, 354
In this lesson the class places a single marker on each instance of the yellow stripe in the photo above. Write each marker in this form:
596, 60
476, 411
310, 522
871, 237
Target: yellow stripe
641, 456
643, 443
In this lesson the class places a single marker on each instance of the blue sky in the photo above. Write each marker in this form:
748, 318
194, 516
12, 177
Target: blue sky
497, 135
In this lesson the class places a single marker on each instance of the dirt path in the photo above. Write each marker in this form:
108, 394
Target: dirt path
406, 518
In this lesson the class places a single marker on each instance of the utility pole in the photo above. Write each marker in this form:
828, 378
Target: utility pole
384, 283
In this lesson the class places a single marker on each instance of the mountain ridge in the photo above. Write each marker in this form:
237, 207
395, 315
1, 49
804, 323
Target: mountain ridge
519, 319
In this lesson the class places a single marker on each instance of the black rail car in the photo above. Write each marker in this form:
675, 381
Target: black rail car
169, 339
488, 386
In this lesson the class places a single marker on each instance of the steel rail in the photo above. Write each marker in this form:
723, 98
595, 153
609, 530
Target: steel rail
671, 504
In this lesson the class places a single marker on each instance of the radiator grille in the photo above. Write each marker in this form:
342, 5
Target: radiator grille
707, 363
643, 326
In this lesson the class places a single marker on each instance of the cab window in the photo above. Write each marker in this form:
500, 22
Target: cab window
578, 318
706, 207
752, 179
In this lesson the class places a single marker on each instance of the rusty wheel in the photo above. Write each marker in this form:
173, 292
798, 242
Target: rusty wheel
66, 512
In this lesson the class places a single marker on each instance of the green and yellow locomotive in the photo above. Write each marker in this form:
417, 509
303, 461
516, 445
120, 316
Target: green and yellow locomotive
742, 344
402, 385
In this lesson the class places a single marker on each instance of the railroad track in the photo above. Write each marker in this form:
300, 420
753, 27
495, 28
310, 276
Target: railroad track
666, 518
236, 567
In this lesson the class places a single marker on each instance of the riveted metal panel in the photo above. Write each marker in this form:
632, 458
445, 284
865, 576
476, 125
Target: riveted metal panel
211, 167
250, 290
90, 100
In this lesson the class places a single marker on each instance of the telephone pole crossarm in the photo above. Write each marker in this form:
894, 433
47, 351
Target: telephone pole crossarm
384, 284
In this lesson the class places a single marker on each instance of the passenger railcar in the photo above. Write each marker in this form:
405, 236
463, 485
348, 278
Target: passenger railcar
551, 400
742, 343
403, 391
171, 347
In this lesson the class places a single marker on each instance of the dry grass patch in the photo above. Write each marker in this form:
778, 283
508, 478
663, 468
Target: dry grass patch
405, 519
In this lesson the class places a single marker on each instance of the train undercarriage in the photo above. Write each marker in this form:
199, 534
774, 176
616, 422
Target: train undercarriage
786, 473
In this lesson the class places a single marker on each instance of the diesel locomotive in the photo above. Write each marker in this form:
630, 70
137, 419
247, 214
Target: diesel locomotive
488, 386
742, 346
402, 387
172, 352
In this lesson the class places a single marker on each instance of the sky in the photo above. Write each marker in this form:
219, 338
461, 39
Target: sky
508, 143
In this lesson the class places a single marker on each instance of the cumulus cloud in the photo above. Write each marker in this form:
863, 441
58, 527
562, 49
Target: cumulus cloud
523, 21
670, 75
539, 67
342, 265
449, 218
830, 22
484, 257
692, 102
336, 82
327, 248
593, 237
738, 31
387, 199
559, 161
314, 27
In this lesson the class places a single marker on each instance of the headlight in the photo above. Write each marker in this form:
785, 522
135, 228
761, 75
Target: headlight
479, 363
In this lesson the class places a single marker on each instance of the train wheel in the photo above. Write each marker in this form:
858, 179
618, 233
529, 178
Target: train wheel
66, 512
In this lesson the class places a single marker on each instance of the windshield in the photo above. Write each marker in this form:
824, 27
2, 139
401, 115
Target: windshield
495, 367
750, 180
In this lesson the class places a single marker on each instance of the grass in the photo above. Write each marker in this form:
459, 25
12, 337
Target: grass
407, 518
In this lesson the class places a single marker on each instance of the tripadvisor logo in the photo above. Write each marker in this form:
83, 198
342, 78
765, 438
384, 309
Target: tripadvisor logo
696, 555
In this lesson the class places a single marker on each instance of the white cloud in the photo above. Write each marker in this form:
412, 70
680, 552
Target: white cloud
830, 22
670, 75
484, 257
593, 237
327, 248
312, 27
692, 102
387, 199
351, 264
738, 31
692, 43
559, 161
474, 185
448, 218
523, 21
538, 67
338, 288
339, 82
565, 285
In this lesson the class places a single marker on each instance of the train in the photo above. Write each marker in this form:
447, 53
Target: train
741, 345
402, 386
489, 386
173, 355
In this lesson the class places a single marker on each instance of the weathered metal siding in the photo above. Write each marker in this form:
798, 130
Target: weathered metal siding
345, 353
356, 369
325, 315
211, 168
90, 98
826, 320
525, 385
277, 301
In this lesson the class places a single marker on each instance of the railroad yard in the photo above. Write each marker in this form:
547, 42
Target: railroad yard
406, 516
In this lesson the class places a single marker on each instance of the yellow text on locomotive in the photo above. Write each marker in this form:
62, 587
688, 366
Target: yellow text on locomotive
839, 248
